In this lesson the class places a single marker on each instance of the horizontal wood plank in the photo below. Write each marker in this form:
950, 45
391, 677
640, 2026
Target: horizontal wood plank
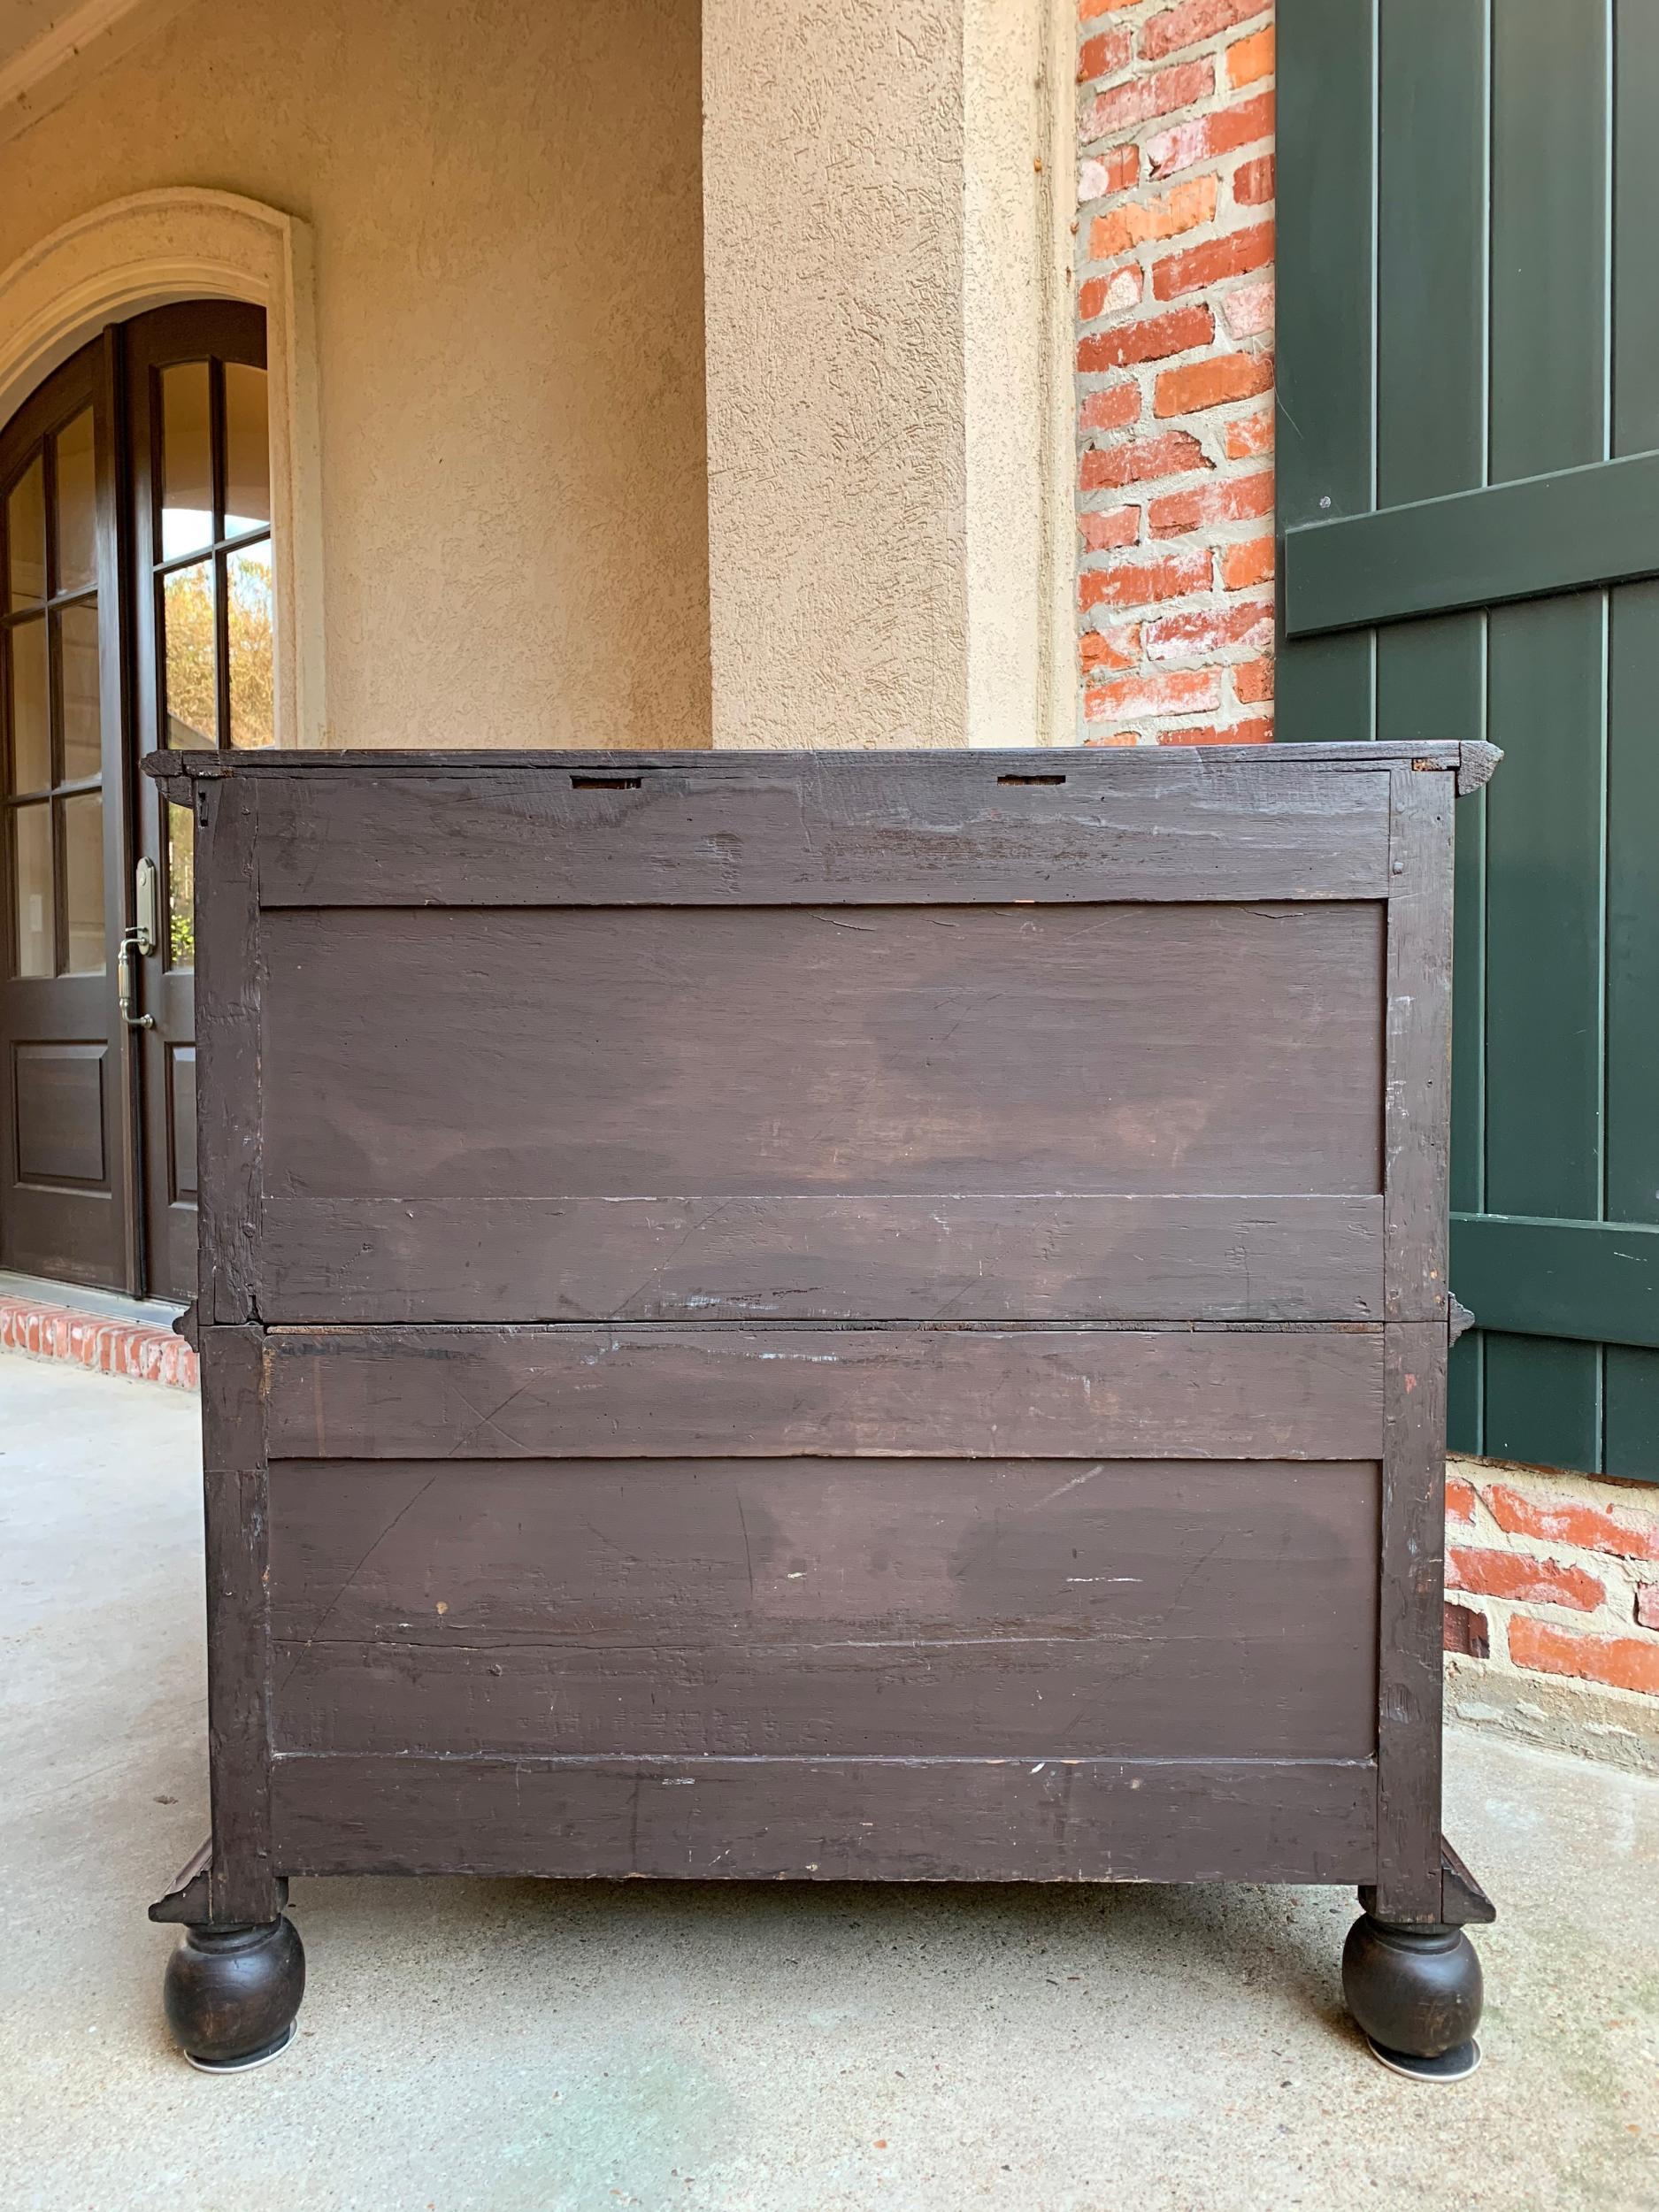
1566, 531
861, 1607
829, 1820
823, 828
644, 1392
950, 1049
1087, 1255
1593, 1281
743, 769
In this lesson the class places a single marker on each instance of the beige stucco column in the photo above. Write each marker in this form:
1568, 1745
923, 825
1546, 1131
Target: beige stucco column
889, 508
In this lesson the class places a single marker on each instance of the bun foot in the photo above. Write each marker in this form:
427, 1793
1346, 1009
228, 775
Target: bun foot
1416, 1994
231, 1994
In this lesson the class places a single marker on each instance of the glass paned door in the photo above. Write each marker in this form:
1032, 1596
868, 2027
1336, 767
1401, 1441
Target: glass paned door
65, 1087
200, 436
136, 611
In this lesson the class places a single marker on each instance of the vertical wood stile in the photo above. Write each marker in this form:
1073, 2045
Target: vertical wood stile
1418, 1066
240, 1884
230, 1117
1410, 1625
1415, 1175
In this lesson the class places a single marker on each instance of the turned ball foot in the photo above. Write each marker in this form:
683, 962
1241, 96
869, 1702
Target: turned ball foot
1416, 1993
231, 1994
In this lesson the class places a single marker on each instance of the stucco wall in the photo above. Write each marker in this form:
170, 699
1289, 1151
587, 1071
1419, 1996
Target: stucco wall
887, 331
1017, 68
505, 199
833, 177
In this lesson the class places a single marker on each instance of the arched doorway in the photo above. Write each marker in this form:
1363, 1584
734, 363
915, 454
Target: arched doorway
136, 610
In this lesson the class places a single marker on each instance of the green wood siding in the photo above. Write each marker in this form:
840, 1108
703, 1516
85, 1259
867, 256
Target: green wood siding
1469, 504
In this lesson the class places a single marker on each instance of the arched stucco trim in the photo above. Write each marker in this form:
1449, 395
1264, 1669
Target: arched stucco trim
187, 243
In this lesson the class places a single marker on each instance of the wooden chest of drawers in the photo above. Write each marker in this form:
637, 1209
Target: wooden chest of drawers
825, 1316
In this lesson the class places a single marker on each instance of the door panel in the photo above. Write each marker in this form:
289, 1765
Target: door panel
60, 1094
65, 1104
1504, 365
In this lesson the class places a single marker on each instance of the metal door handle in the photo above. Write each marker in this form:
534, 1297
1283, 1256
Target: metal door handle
131, 945
138, 943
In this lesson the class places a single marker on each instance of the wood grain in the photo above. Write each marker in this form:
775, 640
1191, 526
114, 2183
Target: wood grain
1411, 1623
830, 1820
633, 1393
821, 828
717, 1052
242, 1879
857, 1607
230, 1113
992, 1256
1417, 1176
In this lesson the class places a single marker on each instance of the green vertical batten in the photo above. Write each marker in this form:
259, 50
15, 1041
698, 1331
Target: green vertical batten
1632, 903
1635, 245
1549, 125
1465, 1393
1631, 1417
1431, 439
1327, 259
1544, 911
1431, 276
1544, 818
1632, 1381
1549, 319
1538, 1408
1630, 1387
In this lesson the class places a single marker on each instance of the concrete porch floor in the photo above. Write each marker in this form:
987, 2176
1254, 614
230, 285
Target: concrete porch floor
471, 2047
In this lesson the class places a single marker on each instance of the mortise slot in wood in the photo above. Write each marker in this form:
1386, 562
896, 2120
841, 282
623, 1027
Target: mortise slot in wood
606, 783
1031, 779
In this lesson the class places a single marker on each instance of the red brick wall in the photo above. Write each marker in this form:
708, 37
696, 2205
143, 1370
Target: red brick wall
1174, 288
1554, 1575
131, 1348
1553, 1581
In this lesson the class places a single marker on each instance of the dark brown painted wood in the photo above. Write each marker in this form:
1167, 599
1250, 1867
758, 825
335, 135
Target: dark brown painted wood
1417, 1189
810, 1316
992, 1256
1411, 1625
230, 1117
59, 1092
816, 829
716, 1052
864, 1608
633, 1392
241, 1880
1416, 1116
1147, 767
916, 1820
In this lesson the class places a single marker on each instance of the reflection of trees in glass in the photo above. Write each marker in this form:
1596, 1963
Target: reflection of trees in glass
192, 679
252, 656
192, 687
181, 886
